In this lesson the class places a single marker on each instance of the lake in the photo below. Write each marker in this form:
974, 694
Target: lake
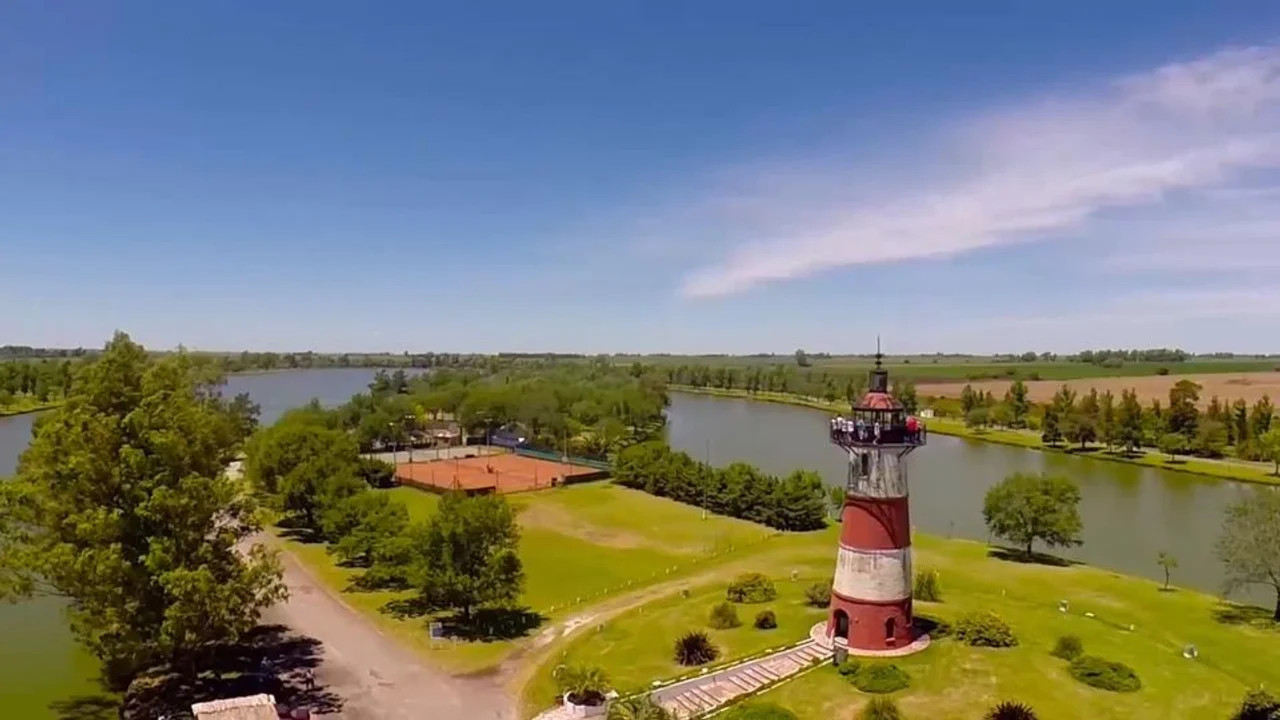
1130, 513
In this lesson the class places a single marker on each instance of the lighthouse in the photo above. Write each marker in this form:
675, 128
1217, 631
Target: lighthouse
871, 592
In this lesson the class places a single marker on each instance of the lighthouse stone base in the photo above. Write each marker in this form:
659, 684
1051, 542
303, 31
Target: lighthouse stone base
818, 633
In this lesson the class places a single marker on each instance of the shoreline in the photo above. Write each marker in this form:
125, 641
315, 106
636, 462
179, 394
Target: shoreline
14, 412
1254, 473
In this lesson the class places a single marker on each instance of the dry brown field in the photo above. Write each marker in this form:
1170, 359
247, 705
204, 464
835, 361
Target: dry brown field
1226, 386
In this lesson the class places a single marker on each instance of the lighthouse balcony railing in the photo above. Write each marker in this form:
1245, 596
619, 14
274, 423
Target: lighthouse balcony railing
864, 436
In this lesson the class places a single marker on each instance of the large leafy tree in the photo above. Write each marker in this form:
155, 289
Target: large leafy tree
122, 505
1024, 508
1183, 415
1249, 546
467, 557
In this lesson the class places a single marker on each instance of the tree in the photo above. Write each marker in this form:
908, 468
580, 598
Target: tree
905, 391
1108, 430
1211, 438
1182, 415
123, 505
1171, 444
1050, 429
976, 418
1024, 508
969, 399
802, 358
468, 557
1001, 415
1167, 562
1270, 446
1260, 417
1080, 427
358, 524
1128, 432
1249, 546
1018, 402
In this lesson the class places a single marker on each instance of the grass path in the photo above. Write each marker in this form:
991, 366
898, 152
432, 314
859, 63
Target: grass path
1227, 469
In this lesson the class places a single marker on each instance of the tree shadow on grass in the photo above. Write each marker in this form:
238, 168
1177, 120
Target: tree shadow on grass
269, 659
489, 624
87, 707
407, 608
935, 628
291, 528
1229, 613
1035, 558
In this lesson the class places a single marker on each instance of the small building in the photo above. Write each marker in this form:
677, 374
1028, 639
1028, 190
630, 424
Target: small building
926, 412
253, 707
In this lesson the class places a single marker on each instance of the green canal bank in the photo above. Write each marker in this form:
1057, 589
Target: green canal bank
1226, 469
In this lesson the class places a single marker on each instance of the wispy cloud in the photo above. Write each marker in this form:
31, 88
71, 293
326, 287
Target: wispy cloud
1031, 171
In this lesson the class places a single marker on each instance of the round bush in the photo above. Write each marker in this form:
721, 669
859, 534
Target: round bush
1258, 705
880, 708
724, 616
695, 648
1105, 674
1009, 710
1068, 648
818, 595
759, 711
766, 620
752, 588
984, 629
881, 678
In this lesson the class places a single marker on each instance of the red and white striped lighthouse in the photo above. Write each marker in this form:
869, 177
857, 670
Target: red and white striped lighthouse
871, 593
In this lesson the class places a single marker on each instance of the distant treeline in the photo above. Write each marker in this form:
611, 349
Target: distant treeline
34, 382
795, 502
830, 385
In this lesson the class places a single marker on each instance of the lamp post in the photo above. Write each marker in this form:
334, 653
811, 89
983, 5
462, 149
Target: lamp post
411, 419
391, 427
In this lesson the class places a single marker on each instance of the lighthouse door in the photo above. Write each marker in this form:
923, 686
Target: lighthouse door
842, 624
890, 628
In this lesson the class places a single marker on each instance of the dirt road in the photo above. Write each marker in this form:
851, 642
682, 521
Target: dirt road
373, 676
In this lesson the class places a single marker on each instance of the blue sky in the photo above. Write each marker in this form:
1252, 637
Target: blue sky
641, 176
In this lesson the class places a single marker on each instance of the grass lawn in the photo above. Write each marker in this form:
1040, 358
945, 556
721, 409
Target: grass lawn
954, 681
1227, 469
580, 544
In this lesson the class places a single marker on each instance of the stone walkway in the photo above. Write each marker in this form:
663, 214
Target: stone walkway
696, 696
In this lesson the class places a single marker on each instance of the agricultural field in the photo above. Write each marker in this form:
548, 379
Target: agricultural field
948, 368
1120, 618
1249, 386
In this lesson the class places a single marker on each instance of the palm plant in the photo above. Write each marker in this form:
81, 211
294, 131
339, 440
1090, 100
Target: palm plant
695, 648
582, 684
1010, 710
639, 707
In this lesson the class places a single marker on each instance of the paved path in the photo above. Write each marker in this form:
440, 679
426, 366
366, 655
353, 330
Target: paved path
375, 678
707, 692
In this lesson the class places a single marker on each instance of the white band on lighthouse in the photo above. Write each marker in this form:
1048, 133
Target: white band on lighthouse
873, 575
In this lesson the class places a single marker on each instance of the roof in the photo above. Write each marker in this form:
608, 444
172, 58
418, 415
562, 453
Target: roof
877, 401
253, 707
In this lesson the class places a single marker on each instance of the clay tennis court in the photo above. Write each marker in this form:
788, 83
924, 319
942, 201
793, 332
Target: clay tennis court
505, 473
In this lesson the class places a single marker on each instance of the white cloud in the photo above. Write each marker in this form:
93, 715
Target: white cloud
1027, 172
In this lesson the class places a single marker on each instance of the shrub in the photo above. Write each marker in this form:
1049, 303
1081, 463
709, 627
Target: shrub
759, 711
1258, 705
818, 595
752, 588
1068, 648
695, 648
984, 629
849, 667
881, 678
937, 628
724, 616
880, 708
1105, 674
766, 620
927, 587
1009, 710
638, 707
585, 685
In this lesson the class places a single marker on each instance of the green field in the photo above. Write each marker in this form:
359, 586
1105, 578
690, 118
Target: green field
950, 680
580, 545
